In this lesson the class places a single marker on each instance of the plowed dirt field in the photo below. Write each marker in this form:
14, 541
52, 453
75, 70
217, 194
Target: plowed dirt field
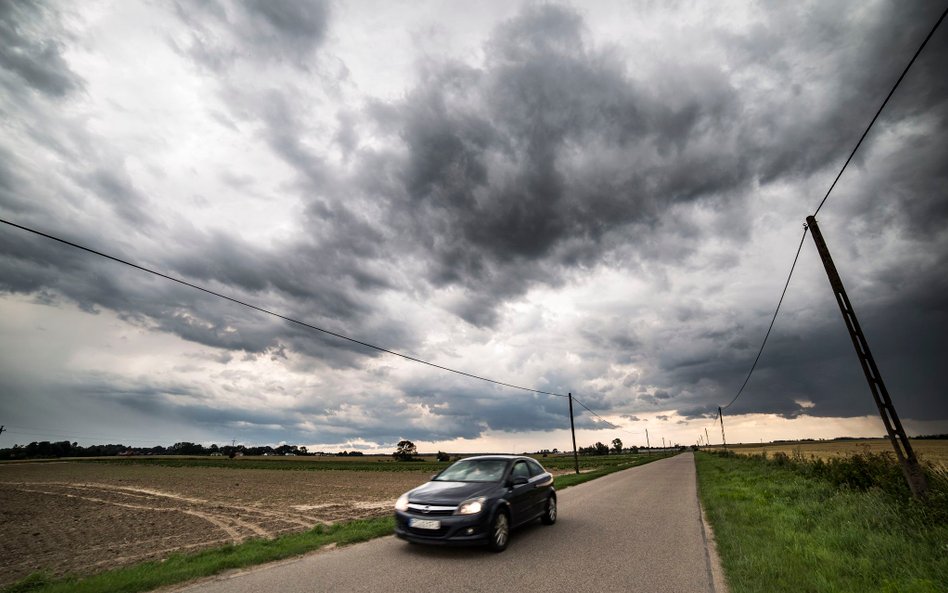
85, 517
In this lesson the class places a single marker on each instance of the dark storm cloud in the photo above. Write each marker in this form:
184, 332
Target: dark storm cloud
550, 158
115, 187
521, 169
472, 409
29, 48
552, 155
269, 30
327, 279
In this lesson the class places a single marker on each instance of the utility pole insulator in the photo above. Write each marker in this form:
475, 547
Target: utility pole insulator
893, 426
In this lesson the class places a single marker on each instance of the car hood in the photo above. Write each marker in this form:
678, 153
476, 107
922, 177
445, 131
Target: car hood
449, 493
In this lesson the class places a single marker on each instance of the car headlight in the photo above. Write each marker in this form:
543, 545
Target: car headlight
402, 503
471, 506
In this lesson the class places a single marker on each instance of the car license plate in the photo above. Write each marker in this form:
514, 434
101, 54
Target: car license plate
424, 524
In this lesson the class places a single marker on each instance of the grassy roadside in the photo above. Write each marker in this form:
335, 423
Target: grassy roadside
180, 568
789, 527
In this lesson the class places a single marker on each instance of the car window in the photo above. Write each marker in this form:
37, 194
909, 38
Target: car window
520, 470
535, 468
474, 470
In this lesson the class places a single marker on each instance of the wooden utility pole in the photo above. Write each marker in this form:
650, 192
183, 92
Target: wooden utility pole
572, 428
721, 416
893, 426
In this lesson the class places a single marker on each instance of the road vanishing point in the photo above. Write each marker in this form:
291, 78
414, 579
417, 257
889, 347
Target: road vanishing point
639, 529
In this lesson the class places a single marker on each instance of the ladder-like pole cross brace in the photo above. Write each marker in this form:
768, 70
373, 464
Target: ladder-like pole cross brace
893, 426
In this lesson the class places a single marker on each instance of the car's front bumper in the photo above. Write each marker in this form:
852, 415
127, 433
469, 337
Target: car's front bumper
454, 529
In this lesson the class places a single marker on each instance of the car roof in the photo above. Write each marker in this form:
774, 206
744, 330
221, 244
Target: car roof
504, 457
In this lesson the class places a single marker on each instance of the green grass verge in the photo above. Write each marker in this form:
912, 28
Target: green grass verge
179, 568
184, 567
781, 530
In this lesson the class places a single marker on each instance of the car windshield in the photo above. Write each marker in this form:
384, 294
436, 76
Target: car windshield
474, 470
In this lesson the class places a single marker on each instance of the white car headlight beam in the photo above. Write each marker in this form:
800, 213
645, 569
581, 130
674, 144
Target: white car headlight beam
471, 506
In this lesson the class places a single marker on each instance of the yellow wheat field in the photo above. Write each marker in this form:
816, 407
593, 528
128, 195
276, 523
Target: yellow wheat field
934, 451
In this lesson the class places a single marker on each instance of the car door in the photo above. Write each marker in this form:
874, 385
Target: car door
540, 482
521, 495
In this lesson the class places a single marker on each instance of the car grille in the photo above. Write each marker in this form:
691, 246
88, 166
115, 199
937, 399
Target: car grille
430, 510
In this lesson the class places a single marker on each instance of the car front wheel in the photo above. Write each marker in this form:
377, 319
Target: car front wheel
500, 532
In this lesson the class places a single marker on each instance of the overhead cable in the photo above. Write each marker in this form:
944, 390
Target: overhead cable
881, 107
283, 317
773, 319
829, 191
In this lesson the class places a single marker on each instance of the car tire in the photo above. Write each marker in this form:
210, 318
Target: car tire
549, 511
499, 532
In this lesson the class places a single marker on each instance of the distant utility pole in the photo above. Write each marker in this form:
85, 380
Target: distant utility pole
721, 416
893, 426
572, 428
648, 447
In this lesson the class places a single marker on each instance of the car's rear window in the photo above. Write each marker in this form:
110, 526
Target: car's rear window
474, 470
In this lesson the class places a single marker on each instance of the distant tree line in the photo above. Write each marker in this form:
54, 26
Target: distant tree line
603, 449
53, 450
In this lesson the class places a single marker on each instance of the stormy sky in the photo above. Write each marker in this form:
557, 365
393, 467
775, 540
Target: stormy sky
601, 198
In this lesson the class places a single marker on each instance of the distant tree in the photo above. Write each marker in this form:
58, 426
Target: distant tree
601, 449
187, 448
405, 451
442, 456
617, 445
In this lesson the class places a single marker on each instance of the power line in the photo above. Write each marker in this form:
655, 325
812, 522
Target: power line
828, 192
772, 321
268, 312
588, 409
881, 107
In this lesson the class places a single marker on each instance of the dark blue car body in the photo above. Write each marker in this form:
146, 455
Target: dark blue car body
522, 492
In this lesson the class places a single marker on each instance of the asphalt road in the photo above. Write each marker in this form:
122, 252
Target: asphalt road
635, 530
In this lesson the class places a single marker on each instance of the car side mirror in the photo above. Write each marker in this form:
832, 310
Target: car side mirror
520, 481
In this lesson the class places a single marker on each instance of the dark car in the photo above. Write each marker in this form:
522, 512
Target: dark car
477, 500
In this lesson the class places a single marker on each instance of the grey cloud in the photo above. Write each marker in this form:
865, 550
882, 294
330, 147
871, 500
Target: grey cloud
552, 156
472, 409
264, 30
547, 160
115, 187
29, 48
524, 168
